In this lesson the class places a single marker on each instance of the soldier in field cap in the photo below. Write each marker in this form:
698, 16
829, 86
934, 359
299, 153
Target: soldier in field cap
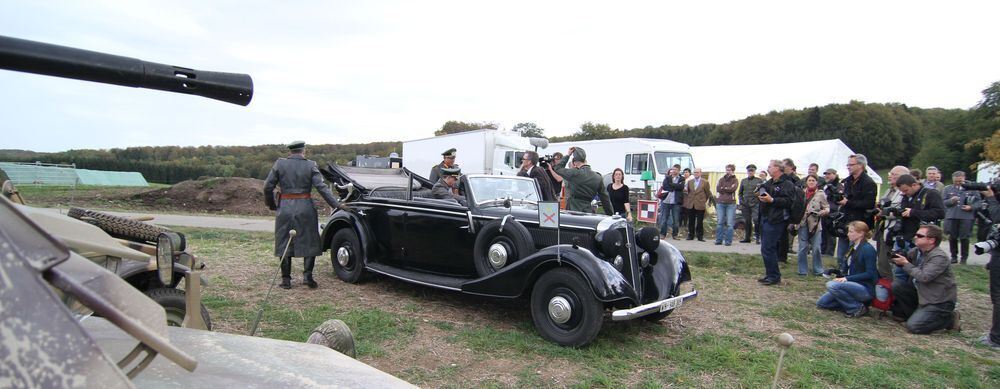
583, 184
296, 176
448, 161
447, 186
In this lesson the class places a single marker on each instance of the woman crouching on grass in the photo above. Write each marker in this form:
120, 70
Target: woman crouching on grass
852, 293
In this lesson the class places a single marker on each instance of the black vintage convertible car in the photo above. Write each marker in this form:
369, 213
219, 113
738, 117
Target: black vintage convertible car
496, 247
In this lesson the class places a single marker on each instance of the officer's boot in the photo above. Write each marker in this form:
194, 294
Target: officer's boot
307, 275
286, 273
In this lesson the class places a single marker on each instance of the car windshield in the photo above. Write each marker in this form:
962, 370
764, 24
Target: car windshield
665, 160
501, 187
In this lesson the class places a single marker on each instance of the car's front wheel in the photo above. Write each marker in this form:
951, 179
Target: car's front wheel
564, 308
345, 255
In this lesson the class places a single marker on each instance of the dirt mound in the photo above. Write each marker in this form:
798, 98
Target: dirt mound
236, 195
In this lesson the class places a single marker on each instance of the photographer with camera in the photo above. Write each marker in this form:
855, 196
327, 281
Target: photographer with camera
960, 211
775, 205
582, 184
850, 293
888, 227
859, 200
834, 193
530, 169
920, 206
992, 245
927, 304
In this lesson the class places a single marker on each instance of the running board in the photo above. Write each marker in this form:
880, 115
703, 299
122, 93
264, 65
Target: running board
420, 278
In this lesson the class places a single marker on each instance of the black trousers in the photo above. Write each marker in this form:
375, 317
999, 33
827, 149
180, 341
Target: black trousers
994, 268
307, 262
953, 246
696, 227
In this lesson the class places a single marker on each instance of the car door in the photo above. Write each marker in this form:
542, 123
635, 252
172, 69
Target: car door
438, 238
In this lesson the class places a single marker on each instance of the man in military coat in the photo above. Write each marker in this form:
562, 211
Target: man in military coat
447, 161
296, 176
582, 184
446, 187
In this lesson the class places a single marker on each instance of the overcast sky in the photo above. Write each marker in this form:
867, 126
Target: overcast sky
363, 71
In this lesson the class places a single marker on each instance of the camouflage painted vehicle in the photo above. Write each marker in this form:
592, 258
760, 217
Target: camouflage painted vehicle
55, 279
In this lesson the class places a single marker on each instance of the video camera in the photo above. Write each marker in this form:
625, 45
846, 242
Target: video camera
545, 160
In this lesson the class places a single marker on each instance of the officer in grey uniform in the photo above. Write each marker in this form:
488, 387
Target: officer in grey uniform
447, 186
447, 161
582, 184
296, 176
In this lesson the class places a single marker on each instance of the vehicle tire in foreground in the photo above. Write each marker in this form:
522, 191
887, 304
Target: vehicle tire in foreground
336, 335
564, 308
119, 227
174, 302
496, 248
345, 255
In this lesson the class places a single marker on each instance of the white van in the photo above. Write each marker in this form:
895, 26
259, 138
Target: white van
478, 152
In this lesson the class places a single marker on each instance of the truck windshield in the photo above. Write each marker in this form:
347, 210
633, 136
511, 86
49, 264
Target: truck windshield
666, 159
496, 187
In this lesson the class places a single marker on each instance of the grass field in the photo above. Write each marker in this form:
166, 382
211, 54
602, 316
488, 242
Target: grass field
725, 338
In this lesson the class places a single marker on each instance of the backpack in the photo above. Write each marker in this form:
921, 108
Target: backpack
883, 295
798, 209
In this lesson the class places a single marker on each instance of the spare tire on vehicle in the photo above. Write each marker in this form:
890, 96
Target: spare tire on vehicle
501, 243
121, 227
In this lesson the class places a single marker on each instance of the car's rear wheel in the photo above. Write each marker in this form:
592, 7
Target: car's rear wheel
345, 255
174, 302
564, 308
496, 248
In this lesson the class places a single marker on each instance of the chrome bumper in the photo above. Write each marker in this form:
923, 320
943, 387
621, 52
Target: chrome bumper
653, 307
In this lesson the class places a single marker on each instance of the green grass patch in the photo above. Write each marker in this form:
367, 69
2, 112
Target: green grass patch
974, 278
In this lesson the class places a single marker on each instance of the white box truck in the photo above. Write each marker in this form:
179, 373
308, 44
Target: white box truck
632, 155
478, 152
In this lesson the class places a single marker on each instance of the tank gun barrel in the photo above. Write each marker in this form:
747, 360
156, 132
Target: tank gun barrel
61, 61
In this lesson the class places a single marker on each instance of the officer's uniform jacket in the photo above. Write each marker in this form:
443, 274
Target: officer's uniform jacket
296, 175
582, 185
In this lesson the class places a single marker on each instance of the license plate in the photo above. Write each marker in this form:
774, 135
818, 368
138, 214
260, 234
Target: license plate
671, 304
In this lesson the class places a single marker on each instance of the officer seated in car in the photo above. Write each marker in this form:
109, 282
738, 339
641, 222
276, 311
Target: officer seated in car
447, 186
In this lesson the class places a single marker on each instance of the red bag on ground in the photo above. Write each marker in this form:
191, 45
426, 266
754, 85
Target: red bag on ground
883, 295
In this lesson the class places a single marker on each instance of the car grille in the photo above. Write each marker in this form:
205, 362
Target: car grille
546, 237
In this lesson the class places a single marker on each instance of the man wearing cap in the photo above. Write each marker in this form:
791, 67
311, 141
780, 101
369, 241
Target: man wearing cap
749, 204
582, 184
296, 176
447, 186
448, 161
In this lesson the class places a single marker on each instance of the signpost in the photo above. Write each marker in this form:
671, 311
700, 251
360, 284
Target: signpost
548, 217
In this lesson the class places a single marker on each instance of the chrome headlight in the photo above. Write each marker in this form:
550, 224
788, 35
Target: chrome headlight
619, 261
165, 246
644, 260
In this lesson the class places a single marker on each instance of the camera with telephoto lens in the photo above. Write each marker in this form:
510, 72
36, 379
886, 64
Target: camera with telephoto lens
991, 243
981, 186
545, 160
983, 213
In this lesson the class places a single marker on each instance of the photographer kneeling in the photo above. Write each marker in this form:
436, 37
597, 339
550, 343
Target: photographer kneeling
852, 293
928, 302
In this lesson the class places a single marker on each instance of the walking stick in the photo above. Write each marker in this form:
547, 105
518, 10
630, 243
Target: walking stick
263, 304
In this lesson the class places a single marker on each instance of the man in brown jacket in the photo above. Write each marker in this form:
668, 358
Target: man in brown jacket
725, 206
697, 192
927, 302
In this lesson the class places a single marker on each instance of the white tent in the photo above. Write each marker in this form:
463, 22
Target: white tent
831, 153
